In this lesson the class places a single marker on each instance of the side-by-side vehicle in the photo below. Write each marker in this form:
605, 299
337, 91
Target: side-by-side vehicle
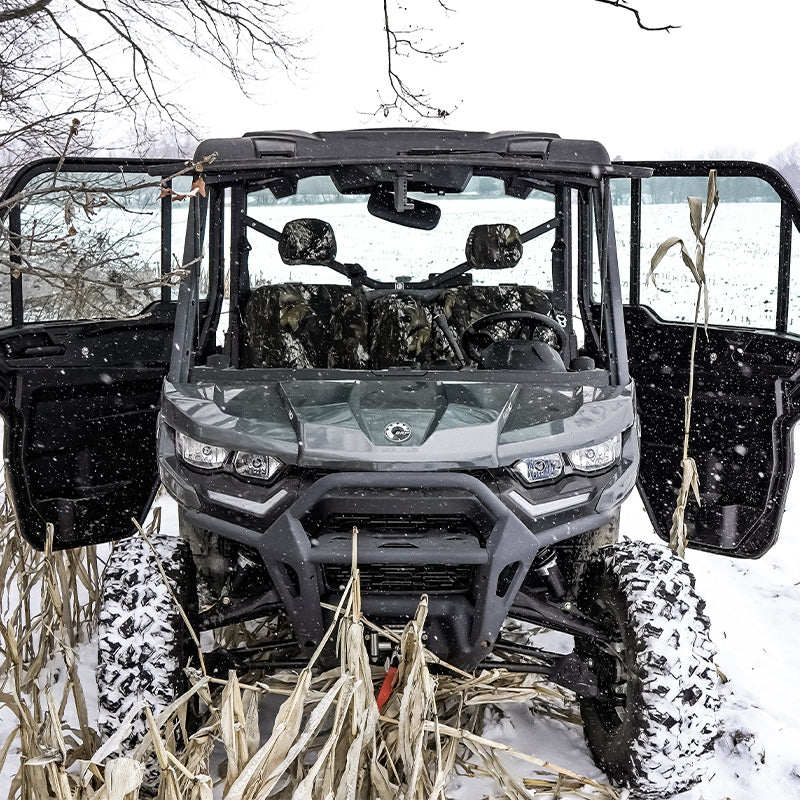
445, 340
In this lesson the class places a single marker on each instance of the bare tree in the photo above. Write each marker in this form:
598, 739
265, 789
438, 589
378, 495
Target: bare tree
403, 42
407, 41
89, 243
120, 59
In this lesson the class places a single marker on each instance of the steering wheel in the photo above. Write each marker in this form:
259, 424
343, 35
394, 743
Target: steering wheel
474, 340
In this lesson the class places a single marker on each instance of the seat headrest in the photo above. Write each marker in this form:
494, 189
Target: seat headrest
494, 246
307, 241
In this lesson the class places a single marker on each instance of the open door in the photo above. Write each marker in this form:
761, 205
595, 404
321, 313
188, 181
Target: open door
85, 339
747, 368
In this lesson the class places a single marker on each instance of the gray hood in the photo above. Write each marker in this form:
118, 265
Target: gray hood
450, 424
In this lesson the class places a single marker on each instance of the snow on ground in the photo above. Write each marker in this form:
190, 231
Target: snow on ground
755, 611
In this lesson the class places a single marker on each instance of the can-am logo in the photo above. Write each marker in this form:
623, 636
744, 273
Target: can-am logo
397, 432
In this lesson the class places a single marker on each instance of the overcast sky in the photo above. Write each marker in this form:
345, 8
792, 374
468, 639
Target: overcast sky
724, 83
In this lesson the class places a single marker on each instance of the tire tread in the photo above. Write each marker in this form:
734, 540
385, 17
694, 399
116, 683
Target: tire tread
675, 723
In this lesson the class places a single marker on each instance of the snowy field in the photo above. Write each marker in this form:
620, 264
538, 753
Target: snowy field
742, 247
742, 251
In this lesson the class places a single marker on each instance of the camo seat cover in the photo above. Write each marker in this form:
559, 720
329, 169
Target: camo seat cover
300, 326
401, 331
464, 305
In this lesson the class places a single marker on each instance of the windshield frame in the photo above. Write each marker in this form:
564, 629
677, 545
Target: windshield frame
196, 326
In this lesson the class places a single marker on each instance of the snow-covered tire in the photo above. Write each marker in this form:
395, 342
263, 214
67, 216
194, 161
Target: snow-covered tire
654, 724
143, 643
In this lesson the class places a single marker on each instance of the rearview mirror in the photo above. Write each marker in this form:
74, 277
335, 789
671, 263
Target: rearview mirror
494, 246
417, 214
307, 241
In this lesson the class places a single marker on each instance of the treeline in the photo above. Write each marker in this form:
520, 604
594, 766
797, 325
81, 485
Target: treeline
660, 190
675, 189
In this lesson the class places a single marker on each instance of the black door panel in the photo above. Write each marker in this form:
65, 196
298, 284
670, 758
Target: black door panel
81, 344
80, 397
86, 457
81, 424
744, 408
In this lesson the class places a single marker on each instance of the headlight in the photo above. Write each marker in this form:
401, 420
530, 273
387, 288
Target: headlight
255, 465
199, 454
598, 456
541, 468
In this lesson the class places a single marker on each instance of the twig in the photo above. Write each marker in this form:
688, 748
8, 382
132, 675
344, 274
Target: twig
73, 129
622, 4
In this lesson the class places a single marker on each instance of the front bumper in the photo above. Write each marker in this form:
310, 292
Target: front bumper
446, 534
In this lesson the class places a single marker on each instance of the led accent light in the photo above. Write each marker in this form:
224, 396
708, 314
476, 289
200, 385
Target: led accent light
598, 456
248, 506
256, 465
541, 468
198, 454
550, 506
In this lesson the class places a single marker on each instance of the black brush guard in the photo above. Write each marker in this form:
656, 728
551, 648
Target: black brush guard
443, 534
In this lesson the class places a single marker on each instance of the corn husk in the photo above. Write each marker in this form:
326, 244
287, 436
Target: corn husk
700, 222
328, 739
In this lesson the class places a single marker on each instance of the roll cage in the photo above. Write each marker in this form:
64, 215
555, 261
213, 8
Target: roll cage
432, 170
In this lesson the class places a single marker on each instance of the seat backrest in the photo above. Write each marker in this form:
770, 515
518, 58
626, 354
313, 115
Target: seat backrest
462, 305
302, 326
316, 326
401, 331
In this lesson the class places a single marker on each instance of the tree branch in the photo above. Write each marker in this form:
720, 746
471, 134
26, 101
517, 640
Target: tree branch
25, 11
107, 59
408, 102
623, 4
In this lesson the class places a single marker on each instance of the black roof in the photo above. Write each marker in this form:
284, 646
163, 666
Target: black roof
526, 149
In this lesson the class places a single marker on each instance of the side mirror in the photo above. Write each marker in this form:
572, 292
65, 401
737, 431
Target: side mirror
307, 241
417, 214
494, 246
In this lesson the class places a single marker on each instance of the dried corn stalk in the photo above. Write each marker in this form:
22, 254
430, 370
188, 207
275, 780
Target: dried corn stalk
48, 603
328, 740
700, 221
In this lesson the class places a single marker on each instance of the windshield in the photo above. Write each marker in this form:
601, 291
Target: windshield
458, 269
390, 252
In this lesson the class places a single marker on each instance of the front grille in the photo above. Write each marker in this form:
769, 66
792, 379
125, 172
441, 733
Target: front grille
402, 578
405, 524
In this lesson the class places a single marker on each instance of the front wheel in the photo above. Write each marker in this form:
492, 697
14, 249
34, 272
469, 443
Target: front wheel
143, 643
653, 723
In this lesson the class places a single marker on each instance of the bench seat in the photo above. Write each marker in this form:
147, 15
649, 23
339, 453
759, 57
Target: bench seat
302, 326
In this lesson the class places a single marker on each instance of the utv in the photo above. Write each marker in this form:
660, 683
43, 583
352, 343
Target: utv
425, 335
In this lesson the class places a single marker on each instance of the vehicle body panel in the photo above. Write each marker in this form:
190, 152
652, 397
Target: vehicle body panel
454, 425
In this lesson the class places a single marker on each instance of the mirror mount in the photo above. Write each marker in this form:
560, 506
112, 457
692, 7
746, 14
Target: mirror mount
401, 202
